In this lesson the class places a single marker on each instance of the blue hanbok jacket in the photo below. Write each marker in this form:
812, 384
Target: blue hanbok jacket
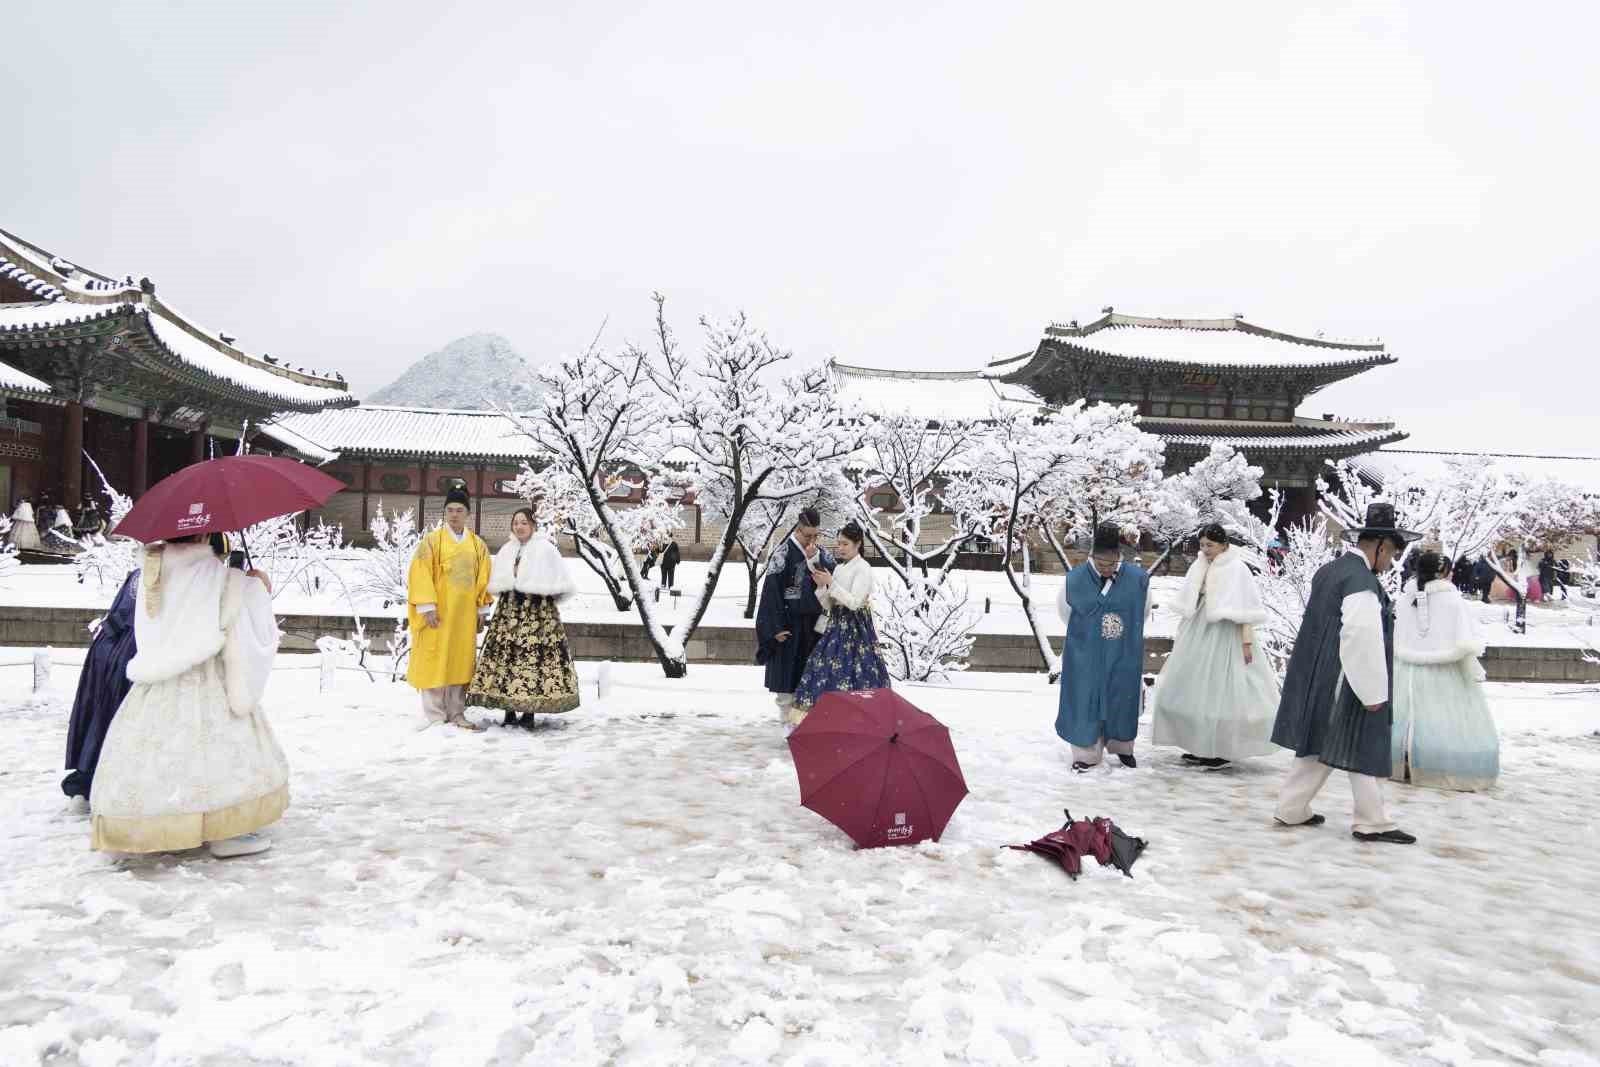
1102, 662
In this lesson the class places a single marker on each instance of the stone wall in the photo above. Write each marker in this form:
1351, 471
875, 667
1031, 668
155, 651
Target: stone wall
625, 641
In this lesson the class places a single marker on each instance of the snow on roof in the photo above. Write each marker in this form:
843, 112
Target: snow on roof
69, 293
15, 381
951, 394
1220, 342
1581, 471
377, 430
1333, 439
298, 442
206, 352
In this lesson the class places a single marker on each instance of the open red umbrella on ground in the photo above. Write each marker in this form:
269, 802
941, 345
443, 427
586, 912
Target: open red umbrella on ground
877, 767
225, 494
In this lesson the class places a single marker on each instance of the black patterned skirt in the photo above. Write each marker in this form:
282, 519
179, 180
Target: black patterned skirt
525, 665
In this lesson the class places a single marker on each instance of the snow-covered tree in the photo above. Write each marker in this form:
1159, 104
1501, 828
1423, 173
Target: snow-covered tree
753, 436
911, 459
1117, 480
1286, 587
292, 556
1026, 461
1219, 488
1551, 513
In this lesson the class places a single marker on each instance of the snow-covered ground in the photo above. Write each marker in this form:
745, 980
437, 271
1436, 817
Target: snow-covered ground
637, 884
1565, 624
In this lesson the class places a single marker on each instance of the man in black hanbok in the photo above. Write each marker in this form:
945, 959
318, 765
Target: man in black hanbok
1335, 711
786, 619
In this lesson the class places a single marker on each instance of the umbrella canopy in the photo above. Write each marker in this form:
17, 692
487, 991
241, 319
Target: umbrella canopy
225, 494
877, 767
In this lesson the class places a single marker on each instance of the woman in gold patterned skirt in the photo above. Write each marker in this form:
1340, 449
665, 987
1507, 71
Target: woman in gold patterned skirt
525, 667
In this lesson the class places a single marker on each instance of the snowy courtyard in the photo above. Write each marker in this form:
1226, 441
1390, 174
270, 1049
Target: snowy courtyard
636, 883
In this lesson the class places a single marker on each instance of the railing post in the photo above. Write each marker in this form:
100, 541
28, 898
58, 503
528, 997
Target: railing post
41, 670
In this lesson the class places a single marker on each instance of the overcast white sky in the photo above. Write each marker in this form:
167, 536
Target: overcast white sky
353, 185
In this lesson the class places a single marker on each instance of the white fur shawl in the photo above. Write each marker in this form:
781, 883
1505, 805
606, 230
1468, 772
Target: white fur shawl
540, 570
1435, 626
1230, 588
192, 607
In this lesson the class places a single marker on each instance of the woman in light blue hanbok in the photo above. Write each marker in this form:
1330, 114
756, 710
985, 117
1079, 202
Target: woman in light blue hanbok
1444, 734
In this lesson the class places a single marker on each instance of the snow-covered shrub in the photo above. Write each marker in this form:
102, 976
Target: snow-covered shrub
381, 573
292, 557
8, 551
924, 627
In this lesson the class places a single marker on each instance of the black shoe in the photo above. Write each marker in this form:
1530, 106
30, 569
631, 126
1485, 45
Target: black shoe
1315, 820
1393, 837
511, 719
529, 720
1190, 757
1080, 766
1210, 762
1127, 761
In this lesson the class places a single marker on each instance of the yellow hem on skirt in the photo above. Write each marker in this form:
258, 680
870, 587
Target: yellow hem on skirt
174, 833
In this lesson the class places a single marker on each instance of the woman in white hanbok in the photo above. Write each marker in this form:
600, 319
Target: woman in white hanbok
1444, 734
1217, 696
190, 759
24, 532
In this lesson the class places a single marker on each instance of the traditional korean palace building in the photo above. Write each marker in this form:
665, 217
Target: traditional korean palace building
100, 364
1195, 382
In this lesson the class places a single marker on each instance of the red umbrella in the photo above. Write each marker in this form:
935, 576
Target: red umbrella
225, 494
877, 768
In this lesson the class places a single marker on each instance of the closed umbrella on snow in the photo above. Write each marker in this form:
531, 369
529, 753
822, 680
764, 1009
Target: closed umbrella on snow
877, 767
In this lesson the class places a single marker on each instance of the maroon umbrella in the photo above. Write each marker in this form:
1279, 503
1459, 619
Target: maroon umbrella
877, 768
225, 494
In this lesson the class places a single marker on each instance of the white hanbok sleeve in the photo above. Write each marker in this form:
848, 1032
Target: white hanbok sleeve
251, 644
854, 591
1361, 651
1063, 608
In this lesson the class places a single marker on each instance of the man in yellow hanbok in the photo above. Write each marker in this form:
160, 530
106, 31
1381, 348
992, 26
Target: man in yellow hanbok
448, 594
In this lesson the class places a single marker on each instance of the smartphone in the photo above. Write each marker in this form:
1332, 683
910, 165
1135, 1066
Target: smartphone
236, 559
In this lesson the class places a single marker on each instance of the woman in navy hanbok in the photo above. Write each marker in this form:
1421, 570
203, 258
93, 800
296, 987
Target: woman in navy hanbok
102, 684
846, 656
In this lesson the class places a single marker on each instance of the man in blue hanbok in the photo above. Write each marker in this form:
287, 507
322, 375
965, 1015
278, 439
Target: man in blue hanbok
786, 620
1103, 602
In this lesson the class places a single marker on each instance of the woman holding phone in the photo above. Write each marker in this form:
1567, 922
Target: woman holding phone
846, 656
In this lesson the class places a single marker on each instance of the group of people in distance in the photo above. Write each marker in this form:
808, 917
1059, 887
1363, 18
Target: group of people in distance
1374, 689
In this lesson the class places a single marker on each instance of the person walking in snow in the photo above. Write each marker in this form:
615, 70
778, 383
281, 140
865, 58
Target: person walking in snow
447, 590
1335, 712
846, 656
1216, 696
786, 617
190, 758
1444, 734
525, 667
1103, 603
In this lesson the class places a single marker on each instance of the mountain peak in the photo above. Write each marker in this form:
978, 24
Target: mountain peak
475, 372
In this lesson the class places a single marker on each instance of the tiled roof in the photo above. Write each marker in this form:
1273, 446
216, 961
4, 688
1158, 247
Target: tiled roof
69, 294
1230, 342
413, 432
15, 383
952, 394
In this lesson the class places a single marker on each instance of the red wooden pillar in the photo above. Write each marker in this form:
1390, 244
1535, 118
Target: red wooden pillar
141, 457
477, 512
366, 493
422, 499
197, 443
71, 459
